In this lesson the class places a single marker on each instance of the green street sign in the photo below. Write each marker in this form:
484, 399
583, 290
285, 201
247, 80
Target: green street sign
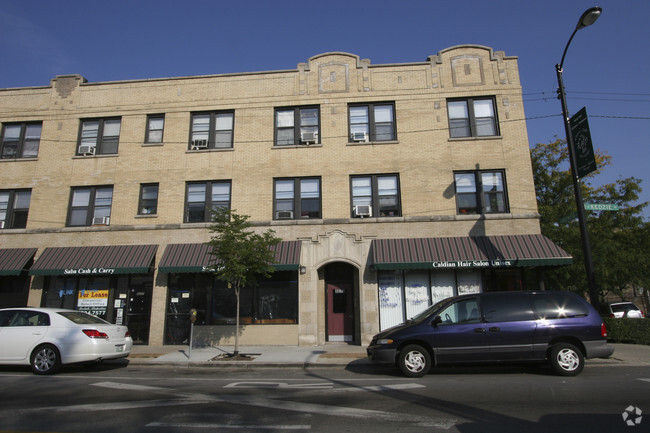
584, 150
601, 206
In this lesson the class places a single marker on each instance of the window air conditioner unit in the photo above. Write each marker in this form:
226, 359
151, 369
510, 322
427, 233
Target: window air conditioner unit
309, 137
360, 137
363, 211
104, 221
86, 150
284, 215
199, 144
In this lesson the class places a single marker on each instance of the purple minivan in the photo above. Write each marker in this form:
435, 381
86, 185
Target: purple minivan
559, 327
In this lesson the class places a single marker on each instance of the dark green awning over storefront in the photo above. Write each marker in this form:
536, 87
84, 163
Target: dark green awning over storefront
190, 258
13, 261
96, 260
470, 252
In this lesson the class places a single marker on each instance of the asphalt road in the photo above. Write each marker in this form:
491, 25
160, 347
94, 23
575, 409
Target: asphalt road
116, 398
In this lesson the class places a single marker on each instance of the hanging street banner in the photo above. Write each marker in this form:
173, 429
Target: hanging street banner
584, 149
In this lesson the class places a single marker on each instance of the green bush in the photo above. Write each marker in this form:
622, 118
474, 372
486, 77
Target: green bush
633, 331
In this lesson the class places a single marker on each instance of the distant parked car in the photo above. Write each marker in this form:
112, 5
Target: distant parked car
623, 310
46, 338
558, 327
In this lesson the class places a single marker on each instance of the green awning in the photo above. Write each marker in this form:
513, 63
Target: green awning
192, 258
95, 261
13, 261
470, 252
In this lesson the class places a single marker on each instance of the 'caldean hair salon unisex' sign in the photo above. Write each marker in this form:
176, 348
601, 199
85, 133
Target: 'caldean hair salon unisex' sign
460, 264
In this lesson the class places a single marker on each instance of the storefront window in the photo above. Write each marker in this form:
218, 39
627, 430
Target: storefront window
123, 300
273, 301
62, 293
405, 293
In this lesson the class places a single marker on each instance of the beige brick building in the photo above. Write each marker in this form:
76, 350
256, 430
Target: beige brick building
391, 185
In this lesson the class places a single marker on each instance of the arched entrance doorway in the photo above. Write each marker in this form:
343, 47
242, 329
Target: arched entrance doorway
341, 301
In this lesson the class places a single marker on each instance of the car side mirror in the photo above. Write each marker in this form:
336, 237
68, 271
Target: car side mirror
437, 321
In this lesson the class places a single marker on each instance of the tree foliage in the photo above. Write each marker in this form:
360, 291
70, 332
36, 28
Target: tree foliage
241, 256
619, 239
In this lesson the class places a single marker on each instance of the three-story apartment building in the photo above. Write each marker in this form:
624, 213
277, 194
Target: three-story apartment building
392, 186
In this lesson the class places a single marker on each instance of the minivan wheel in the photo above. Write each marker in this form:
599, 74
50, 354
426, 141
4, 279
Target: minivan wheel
566, 359
45, 359
414, 361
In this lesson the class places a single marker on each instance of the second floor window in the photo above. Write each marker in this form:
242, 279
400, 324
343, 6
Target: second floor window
148, 199
479, 192
372, 122
376, 195
297, 198
14, 207
90, 206
20, 140
472, 117
203, 197
295, 126
212, 130
99, 137
155, 128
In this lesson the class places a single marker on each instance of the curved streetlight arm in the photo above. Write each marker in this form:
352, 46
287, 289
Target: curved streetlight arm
587, 18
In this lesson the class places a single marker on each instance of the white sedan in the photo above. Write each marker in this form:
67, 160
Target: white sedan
46, 338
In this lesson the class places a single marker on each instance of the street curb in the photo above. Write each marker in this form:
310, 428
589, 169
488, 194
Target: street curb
248, 365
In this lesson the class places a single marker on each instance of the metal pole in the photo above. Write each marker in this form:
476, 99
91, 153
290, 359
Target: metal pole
586, 245
191, 338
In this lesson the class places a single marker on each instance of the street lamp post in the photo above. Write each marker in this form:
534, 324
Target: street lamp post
588, 18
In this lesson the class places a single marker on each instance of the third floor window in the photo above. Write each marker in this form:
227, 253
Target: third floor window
472, 117
298, 125
155, 128
20, 140
212, 130
99, 136
372, 122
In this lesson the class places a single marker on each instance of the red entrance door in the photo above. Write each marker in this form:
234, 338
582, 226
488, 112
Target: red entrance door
340, 312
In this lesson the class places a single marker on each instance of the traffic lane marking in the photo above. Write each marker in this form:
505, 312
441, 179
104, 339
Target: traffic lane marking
254, 427
280, 385
271, 403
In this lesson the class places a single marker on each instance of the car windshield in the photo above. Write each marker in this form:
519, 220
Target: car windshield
81, 318
429, 311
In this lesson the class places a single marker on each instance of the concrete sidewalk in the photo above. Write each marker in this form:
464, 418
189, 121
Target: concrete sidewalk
304, 356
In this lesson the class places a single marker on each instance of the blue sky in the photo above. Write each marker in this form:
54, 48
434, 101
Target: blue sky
607, 68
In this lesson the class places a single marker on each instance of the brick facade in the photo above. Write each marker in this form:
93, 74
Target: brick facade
423, 156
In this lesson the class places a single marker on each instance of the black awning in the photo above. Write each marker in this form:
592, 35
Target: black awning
96, 260
13, 261
468, 252
190, 258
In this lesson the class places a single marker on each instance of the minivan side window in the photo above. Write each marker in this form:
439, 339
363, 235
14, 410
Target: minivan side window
507, 308
559, 306
465, 311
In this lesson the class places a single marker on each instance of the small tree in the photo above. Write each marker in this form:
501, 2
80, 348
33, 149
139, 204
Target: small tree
241, 256
619, 239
